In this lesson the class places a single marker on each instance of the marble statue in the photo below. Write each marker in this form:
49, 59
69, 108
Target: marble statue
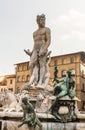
38, 56
29, 115
10, 102
43, 103
47, 72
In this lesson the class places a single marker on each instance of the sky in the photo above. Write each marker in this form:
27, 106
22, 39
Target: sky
65, 18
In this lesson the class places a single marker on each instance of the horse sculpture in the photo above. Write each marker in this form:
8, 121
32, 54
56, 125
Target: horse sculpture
10, 102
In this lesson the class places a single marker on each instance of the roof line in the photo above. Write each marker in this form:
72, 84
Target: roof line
79, 52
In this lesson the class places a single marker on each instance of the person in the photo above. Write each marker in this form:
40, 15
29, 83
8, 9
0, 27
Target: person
29, 115
42, 39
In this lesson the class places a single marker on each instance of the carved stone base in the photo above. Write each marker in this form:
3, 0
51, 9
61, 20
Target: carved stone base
64, 110
12, 125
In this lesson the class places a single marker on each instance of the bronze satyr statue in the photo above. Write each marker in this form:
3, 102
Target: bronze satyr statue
29, 115
65, 86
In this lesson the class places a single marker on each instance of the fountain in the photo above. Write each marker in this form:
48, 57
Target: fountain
38, 106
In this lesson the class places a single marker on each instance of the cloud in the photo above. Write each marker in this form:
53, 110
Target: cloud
73, 35
72, 18
65, 37
71, 25
78, 34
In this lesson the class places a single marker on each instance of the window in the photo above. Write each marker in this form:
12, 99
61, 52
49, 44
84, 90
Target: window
19, 79
18, 90
24, 67
73, 72
82, 73
28, 77
20, 68
64, 61
10, 81
1, 89
11, 89
83, 105
63, 73
83, 87
72, 60
27, 66
55, 62
23, 78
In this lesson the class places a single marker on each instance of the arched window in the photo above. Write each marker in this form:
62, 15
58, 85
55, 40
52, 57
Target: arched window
82, 73
28, 66
64, 61
19, 78
83, 87
55, 62
28, 77
73, 72
24, 66
63, 73
19, 68
23, 78
72, 60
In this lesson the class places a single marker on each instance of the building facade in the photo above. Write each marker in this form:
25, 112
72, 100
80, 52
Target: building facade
74, 61
7, 82
22, 74
11, 82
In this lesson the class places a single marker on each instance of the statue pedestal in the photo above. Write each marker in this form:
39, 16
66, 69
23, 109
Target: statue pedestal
11, 120
64, 109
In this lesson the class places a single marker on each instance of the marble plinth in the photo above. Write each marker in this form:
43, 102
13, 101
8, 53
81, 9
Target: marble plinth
13, 125
11, 120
